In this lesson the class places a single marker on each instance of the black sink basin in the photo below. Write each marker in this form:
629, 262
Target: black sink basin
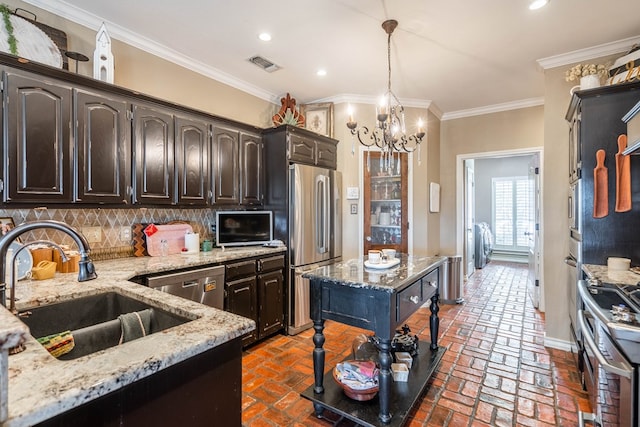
93, 321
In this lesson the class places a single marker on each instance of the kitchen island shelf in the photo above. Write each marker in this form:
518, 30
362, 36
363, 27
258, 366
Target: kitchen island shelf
404, 395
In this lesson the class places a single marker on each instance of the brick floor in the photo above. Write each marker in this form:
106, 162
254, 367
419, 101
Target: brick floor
496, 371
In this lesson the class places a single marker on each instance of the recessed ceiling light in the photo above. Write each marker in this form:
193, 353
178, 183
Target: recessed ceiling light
537, 4
265, 37
321, 73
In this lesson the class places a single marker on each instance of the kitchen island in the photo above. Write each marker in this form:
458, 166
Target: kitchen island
378, 300
207, 347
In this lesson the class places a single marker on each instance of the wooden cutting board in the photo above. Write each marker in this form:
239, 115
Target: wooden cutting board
600, 187
623, 177
172, 233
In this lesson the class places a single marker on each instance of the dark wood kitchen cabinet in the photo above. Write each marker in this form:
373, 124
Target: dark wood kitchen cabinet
237, 165
251, 170
39, 158
192, 160
225, 165
103, 145
254, 289
307, 147
153, 144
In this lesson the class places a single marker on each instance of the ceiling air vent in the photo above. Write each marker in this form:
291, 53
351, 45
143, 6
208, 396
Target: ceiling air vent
263, 63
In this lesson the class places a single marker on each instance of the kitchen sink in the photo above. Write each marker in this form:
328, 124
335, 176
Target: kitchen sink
93, 321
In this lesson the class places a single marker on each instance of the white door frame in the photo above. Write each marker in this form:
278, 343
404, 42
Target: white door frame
460, 183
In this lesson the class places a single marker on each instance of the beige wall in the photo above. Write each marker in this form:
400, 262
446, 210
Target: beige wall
425, 226
509, 130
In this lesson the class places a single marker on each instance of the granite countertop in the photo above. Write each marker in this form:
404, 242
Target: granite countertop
354, 273
602, 273
41, 386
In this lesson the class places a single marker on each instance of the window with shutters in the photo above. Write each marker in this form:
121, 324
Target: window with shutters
513, 212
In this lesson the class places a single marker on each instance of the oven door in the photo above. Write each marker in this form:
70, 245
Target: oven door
609, 377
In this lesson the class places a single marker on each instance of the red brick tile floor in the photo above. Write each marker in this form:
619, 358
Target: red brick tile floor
495, 372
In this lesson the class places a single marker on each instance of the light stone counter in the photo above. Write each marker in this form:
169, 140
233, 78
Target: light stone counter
602, 273
40, 386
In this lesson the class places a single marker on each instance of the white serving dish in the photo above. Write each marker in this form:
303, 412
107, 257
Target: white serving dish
400, 372
382, 264
404, 357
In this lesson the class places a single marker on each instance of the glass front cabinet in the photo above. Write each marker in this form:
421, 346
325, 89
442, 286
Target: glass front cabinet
385, 202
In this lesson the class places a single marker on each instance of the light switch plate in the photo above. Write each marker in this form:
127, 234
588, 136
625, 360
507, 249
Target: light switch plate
353, 193
92, 234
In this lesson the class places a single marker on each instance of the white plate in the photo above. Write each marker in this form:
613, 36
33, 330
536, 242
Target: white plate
24, 262
382, 265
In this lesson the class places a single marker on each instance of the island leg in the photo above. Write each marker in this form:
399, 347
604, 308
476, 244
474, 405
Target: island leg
434, 321
384, 379
318, 362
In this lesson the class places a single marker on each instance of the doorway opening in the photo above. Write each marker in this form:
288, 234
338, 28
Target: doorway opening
498, 212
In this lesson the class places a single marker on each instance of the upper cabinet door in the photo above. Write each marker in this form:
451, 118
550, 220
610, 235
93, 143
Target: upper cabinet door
154, 156
251, 167
192, 161
326, 154
38, 117
225, 166
301, 149
103, 141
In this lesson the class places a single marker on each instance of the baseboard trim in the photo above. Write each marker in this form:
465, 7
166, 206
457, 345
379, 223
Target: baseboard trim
559, 344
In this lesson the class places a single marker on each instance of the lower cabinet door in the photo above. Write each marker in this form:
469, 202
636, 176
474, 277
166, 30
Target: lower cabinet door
242, 300
271, 312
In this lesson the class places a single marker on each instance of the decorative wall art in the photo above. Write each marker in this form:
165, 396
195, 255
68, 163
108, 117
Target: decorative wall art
288, 114
6, 225
319, 118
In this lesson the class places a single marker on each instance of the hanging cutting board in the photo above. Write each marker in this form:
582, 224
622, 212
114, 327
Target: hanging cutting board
172, 233
600, 187
623, 177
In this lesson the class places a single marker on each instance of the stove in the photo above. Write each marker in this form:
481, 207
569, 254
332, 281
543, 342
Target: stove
609, 324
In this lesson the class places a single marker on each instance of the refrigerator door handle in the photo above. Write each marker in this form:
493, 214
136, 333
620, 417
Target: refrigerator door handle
327, 212
320, 238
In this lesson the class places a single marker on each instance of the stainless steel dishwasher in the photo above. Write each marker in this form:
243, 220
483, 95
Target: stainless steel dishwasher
203, 285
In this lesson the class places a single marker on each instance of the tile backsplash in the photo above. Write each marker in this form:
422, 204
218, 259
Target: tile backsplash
112, 222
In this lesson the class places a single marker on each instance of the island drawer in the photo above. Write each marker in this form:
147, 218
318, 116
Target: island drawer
409, 300
429, 285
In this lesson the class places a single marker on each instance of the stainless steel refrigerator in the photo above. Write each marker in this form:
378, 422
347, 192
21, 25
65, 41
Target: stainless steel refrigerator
315, 233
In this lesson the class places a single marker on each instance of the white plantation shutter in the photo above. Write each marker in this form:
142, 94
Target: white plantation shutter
512, 211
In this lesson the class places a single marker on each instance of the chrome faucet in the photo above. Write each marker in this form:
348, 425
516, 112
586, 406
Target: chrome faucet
86, 270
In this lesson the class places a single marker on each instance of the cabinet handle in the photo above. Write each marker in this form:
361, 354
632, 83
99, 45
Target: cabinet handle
414, 299
433, 284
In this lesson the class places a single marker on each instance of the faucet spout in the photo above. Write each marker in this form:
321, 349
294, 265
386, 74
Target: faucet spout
86, 270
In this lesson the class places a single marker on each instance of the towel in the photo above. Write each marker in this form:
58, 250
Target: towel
135, 325
58, 344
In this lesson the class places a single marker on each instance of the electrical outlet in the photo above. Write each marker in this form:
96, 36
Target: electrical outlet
92, 234
125, 234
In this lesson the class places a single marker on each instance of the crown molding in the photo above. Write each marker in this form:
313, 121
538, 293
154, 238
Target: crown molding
619, 46
495, 108
91, 21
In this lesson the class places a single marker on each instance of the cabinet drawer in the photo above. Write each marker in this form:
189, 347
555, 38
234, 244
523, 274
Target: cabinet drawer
429, 285
240, 269
409, 300
271, 263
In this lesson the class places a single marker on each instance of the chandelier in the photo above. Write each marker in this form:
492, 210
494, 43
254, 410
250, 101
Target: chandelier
389, 134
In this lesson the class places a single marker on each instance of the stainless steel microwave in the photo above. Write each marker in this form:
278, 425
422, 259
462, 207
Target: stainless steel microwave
243, 228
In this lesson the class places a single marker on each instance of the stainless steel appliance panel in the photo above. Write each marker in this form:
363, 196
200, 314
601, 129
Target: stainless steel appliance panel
336, 214
310, 219
575, 199
609, 377
204, 285
299, 299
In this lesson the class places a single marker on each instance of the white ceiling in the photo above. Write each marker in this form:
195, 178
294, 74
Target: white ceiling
458, 54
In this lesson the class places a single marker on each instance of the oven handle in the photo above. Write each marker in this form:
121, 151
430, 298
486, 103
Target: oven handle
622, 369
570, 261
589, 417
